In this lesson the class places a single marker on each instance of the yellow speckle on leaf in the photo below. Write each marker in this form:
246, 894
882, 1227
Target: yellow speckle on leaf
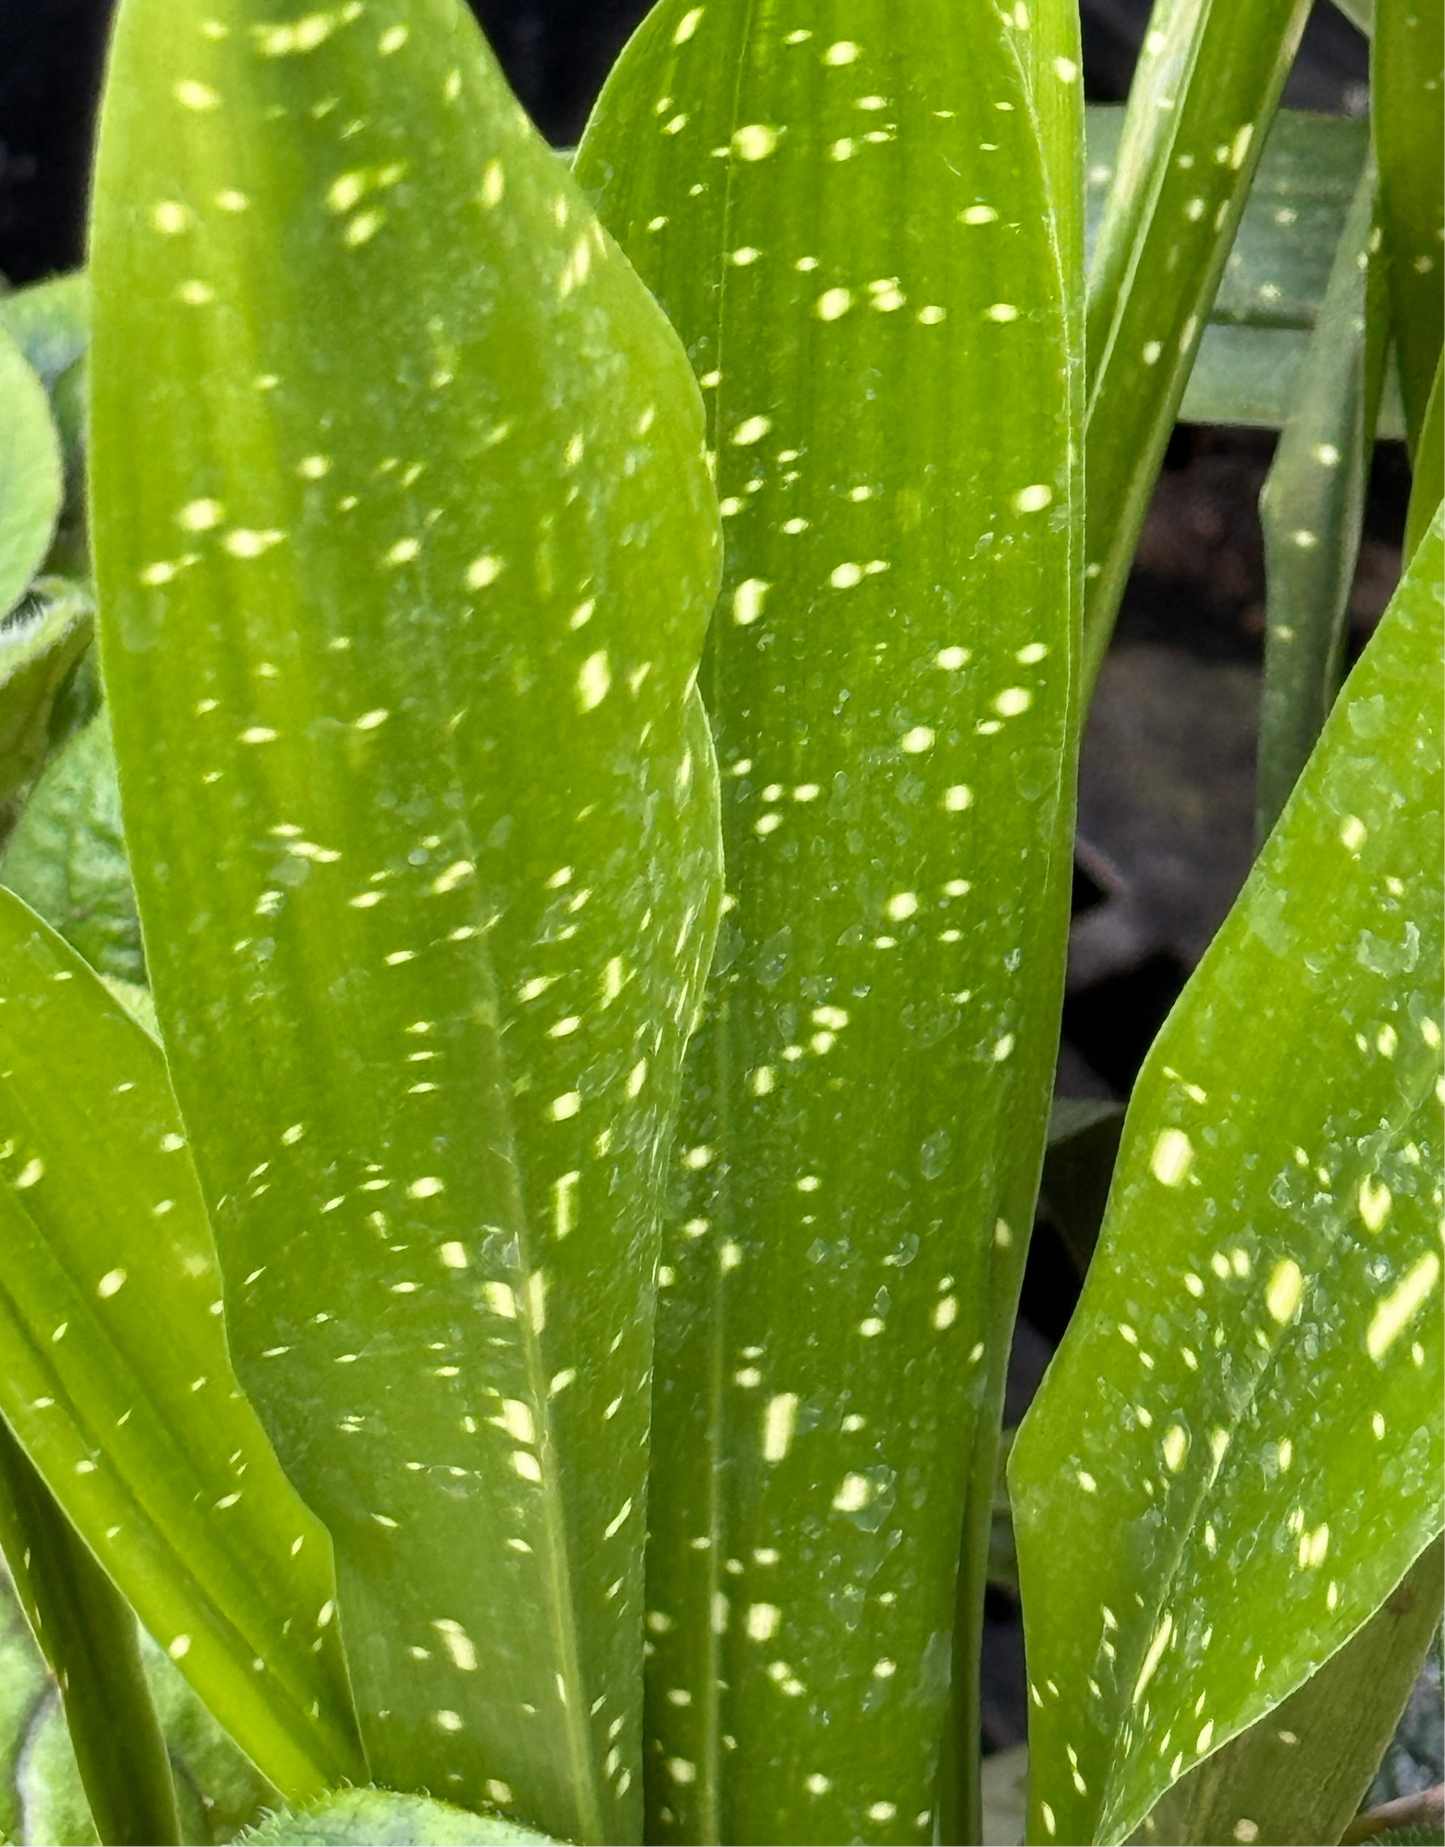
1173, 1153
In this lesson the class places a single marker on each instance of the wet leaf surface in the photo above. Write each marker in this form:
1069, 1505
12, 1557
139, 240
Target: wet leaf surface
406, 546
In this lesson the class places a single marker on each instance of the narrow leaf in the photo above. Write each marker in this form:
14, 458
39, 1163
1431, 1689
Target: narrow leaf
88, 1634
1300, 1773
1407, 69
1202, 100
1241, 1434
1312, 508
406, 546
145, 1442
30, 474
67, 856
859, 225
1429, 481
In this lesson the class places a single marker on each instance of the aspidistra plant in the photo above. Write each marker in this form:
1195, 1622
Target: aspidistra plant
593, 666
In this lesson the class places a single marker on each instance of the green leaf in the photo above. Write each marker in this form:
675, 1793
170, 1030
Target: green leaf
1408, 105
849, 222
30, 474
1360, 13
146, 1443
67, 856
87, 1632
218, 1791
1429, 482
50, 323
38, 659
1078, 1167
1203, 97
1241, 1434
1300, 1773
1312, 507
379, 1818
406, 547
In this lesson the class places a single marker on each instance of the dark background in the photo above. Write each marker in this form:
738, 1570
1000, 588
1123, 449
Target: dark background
1167, 781
556, 53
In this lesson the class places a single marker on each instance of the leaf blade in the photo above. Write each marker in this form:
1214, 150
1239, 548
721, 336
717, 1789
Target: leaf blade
847, 265
88, 1634
468, 834
1203, 96
155, 1458
1192, 1465
31, 481
1312, 508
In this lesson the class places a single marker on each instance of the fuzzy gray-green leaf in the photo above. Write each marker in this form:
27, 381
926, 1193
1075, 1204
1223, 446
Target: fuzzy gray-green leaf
67, 856
406, 546
380, 1818
30, 473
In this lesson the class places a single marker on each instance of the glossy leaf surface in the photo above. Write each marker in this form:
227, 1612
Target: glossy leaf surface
406, 547
30, 473
1300, 1773
145, 1441
1241, 1434
379, 1818
1313, 503
67, 856
1202, 100
1408, 105
87, 1632
849, 220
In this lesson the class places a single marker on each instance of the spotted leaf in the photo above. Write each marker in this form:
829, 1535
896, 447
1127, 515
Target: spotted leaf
406, 545
1203, 97
1312, 506
1303, 1770
1408, 101
1241, 1435
115, 1376
865, 222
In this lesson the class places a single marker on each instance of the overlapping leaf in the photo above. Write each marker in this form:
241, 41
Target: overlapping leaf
37, 661
67, 856
1408, 107
1313, 503
1241, 1435
406, 547
379, 1818
115, 1375
1202, 100
1301, 1772
30, 473
88, 1634
865, 223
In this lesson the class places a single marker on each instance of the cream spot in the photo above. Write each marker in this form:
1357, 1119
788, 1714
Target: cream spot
1286, 1285
1173, 1153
